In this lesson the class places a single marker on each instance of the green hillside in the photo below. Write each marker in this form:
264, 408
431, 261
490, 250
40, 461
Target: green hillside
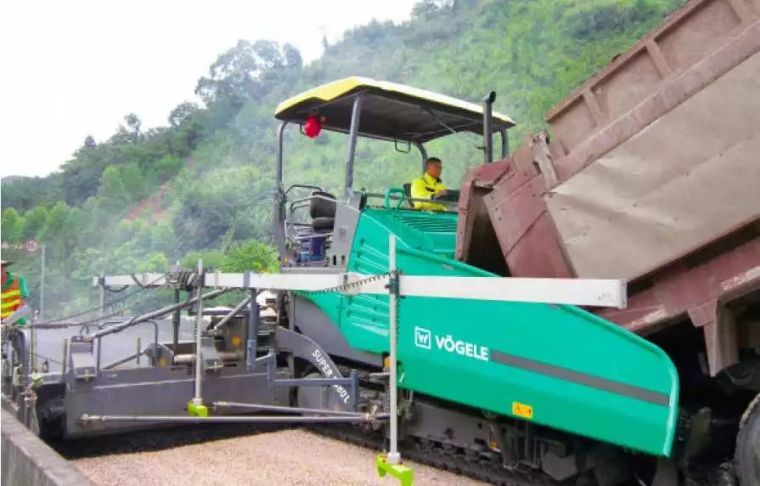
201, 186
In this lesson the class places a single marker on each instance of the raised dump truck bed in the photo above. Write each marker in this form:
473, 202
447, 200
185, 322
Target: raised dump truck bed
652, 174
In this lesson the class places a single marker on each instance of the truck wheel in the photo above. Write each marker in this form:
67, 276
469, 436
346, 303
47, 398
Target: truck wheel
748, 445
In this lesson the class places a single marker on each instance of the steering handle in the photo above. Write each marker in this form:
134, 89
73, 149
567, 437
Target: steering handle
389, 192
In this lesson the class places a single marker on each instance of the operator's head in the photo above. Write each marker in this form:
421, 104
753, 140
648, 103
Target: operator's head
4, 264
434, 167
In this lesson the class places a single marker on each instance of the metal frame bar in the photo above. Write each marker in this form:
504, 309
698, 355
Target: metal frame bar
151, 315
394, 457
252, 343
572, 291
233, 418
279, 156
99, 347
176, 320
487, 126
278, 209
352, 136
143, 280
423, 153
235, 310
449, 204
198, 396
504, 143
280, 408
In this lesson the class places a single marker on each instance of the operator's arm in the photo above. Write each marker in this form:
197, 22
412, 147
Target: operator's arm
440, 190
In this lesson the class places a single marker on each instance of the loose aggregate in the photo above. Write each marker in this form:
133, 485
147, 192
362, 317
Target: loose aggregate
283, 457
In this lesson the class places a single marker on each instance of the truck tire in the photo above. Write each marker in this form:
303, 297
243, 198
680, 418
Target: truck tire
748, 445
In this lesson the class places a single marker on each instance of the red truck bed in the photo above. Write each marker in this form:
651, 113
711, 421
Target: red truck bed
652, 175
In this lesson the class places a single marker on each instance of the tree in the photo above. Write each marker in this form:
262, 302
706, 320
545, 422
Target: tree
35, 221
24, 193
251, 255
292, 56
182, 112
89, 142
129, 134
210, 259
425, 9
56, 220
248, 71
133, 123
167, 167
112, 194
133, 181
12, 225
154, 262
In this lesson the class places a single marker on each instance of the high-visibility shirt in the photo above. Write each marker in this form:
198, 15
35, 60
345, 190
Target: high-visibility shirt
14, 293
425, 187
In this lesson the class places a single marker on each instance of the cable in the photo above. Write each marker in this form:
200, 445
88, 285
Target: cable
141, 288
99, 307
46, 358
116, 291
119, 311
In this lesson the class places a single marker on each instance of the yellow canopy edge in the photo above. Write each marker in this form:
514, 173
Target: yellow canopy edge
336, 89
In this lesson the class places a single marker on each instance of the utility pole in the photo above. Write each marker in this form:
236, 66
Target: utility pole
42, 283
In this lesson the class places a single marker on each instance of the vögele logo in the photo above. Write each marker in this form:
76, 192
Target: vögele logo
422, 338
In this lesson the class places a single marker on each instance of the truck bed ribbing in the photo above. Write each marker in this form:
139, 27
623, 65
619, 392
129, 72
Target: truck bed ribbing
650, 175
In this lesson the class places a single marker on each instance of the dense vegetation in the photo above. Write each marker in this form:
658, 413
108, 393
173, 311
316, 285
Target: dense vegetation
201, 185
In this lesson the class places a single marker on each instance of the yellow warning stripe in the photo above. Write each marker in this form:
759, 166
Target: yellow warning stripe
10, 303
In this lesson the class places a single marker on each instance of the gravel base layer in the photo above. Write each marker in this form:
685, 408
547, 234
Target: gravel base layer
294, 456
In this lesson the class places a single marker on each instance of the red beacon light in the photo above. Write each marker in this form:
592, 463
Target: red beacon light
312, 126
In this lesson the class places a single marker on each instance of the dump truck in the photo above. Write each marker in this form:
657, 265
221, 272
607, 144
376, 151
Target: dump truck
650, 171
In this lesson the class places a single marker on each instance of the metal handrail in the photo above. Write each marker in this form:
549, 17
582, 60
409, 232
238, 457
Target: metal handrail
411, 199
301, 186
287, 224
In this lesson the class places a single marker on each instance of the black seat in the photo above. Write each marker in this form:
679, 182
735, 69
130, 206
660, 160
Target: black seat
322, 225
322, 211
408, 189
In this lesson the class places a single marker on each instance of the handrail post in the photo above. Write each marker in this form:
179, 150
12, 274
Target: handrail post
196, 407
394, 457
487, 126
352, 136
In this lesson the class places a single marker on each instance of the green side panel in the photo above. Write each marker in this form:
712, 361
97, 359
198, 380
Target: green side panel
366, 316
555, 365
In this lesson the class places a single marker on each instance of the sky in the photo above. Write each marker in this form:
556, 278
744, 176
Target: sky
76, 67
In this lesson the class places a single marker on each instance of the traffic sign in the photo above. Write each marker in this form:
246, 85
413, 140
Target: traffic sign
31, 246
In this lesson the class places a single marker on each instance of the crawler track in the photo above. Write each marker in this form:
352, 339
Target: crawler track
452, 459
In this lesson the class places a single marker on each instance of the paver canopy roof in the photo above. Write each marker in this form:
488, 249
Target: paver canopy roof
390, 111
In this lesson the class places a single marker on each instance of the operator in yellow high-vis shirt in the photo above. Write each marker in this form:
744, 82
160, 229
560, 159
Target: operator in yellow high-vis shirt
429, 186
14, 292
